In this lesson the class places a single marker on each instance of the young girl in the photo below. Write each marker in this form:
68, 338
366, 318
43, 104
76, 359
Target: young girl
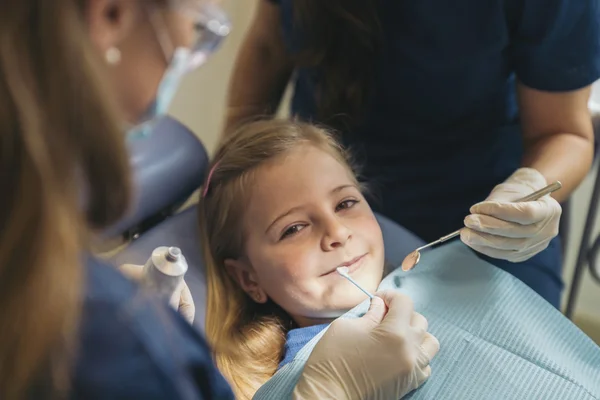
281, 210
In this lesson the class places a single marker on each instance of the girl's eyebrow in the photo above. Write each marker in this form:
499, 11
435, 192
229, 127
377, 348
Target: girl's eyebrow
342, 187
298, 208
285, 214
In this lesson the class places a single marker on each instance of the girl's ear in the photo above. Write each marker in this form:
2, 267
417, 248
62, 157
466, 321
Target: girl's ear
243, 273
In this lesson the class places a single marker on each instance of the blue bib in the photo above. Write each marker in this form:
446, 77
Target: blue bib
499, 339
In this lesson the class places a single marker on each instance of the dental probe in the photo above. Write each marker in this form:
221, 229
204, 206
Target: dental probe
343, 271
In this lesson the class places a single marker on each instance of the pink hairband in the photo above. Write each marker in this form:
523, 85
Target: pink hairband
210, 174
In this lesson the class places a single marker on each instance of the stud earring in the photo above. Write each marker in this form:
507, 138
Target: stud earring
113, 56
256, 297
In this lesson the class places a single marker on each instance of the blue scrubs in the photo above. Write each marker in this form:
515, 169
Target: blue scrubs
133, 347
443, 128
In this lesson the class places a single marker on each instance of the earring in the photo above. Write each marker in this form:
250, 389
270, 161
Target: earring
113, 56
256, 297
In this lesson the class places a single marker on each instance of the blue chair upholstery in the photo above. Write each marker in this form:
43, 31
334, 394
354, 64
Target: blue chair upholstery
167, 168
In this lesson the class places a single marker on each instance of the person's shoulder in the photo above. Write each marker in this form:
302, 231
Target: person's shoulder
555, 44
134, 346
105, 284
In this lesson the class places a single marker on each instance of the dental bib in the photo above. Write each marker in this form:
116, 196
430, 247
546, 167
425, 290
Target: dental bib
499, 339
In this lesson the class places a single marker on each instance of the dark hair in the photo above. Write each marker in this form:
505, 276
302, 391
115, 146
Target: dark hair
341, 40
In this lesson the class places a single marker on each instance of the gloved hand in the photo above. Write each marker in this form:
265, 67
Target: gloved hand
379, 356
181, 300
513, 231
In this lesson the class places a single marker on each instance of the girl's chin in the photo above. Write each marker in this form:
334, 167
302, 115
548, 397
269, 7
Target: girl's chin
323, 317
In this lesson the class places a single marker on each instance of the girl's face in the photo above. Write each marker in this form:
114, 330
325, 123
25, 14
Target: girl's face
305, 218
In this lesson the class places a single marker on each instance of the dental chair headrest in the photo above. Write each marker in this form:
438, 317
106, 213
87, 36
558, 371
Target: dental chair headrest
168, 166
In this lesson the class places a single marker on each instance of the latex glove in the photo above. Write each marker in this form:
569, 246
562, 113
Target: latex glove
513, 231
379, 356
181, 300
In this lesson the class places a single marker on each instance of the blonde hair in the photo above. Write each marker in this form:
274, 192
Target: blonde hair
248, 338
57, 132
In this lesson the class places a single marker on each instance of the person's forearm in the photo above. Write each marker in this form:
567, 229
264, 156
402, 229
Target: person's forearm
562, 157
261, 73
558, 136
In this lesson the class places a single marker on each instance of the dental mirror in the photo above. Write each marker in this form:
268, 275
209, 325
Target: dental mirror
413, 258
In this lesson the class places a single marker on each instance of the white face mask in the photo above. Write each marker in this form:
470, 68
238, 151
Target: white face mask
213, 26
166, 92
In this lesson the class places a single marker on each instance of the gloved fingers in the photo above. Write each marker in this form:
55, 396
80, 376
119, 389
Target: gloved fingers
420, 376
187, 308
532, 251
418, 321
498, 227
524, 213
511, 191
399, 313
429, 349
132, 271
377, 311
472, 238
522, 182
418, 328
494, 253
530, 177
181, 300
426, 373
510, 255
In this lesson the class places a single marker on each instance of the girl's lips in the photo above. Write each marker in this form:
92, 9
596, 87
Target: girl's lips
352, 265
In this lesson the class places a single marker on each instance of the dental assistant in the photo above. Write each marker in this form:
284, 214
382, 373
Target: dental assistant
442, 101
71, 71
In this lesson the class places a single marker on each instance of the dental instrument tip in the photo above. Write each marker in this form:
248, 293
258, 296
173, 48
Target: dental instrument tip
343, 271
411, 260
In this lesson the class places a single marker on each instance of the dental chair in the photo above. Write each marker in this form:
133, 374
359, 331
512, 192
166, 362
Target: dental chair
168, 167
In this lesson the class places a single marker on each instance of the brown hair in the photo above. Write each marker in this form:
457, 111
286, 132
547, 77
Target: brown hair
342, 40
248, 338
57, 131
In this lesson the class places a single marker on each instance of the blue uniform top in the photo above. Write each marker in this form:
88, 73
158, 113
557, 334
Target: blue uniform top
442, 128
133, 347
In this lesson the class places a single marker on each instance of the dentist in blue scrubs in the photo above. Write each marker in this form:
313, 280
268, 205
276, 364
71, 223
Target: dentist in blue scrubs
455, 108
71, 71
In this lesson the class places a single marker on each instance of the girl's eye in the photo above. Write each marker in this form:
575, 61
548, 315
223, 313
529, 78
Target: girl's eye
292, 230
346, 204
